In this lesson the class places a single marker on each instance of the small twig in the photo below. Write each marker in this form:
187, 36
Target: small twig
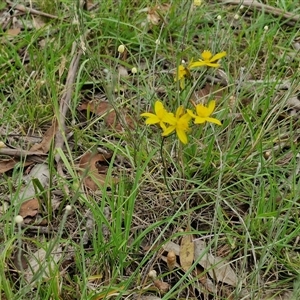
20, 152
23, 8
292, 18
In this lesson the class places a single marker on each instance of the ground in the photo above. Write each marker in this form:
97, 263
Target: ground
136, 164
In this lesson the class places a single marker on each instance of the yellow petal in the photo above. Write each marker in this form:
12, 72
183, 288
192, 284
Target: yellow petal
146, 114
202, 111
152, 120
198, 64
179, 112
206, 55
168, 130
190, 112
186, 117
163, 126
212, 65
182, 136
181, 71
169, 118
199, 120
214, 120
211, 107
182, 83
158, 107
218, 56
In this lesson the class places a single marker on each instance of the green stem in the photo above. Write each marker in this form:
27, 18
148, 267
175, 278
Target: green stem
165, 170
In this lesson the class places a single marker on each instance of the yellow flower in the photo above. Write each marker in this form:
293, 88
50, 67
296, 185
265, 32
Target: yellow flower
197, 2
203, 113
160, 117
180, 124
182, 73
208, 59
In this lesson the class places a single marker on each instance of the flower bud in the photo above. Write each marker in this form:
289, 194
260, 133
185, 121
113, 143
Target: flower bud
19, 219
121, 49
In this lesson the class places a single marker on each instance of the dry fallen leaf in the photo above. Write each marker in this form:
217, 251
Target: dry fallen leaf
171, 246
186, 254
111, 119
40, 172
8, 164
205, 280
45, 144
13, 32
88, 169
217, 267
29, 208
43, 265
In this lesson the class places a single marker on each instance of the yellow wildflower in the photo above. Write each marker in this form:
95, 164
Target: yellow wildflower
160, 117
182, 73
208, 59
203, 113
180, 124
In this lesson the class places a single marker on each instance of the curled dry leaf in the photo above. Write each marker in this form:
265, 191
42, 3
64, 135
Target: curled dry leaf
29, 208
187, 249
110, 117
92, 178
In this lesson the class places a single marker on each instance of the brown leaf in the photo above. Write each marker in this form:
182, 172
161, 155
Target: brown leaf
8, 164
29, 208
187, 249
161, 285
98, 108
218, 268
111, 119
13, 32
209, 91
204, 279
88, 168
45, 144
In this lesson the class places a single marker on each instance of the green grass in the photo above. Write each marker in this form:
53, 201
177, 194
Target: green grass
236, 186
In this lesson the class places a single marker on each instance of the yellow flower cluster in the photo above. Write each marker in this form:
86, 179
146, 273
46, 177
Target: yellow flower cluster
180, 121
207, 59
